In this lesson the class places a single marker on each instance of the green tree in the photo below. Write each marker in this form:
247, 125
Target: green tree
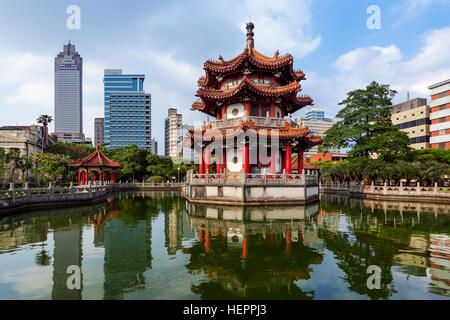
25, 164
45, 120
51, 167
133, 160
365, 125
73, 150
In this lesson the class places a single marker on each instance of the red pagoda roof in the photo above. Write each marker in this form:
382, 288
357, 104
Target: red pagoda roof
288, 132
96, 159
306, 165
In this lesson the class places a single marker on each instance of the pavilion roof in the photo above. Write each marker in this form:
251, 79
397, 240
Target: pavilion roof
251, 58
96, 160
306, 165
288, 132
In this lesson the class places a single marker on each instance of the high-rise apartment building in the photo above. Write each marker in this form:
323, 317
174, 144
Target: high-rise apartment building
99, 131
173, 134
413, 117
440, 115
69, 95
318, 124
154, 146
315, 114
127, 110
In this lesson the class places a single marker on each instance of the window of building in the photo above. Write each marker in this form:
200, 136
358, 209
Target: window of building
441, 95
441, 120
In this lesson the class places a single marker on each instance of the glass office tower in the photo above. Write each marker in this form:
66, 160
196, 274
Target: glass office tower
69, 95
127, 110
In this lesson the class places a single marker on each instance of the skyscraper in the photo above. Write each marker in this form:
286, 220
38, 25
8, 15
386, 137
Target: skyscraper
127, 110
173, 134
318, 124
69, 95
99, 131
440, 115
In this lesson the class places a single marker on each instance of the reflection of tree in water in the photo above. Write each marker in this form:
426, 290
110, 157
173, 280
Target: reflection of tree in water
128, 240
268, 272
355, 256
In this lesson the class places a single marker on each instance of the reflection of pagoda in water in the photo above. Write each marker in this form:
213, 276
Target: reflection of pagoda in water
251, 253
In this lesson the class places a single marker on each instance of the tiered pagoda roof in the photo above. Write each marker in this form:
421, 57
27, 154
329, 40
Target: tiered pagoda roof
212, 94
95, 160
288, 132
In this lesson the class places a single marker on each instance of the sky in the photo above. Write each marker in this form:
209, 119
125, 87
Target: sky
170, 40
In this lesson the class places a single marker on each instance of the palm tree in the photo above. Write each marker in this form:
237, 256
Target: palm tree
45, 120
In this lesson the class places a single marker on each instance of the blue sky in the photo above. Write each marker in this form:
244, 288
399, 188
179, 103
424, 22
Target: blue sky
170, 40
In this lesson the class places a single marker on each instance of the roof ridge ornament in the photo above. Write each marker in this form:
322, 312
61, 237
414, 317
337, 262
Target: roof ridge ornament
250, 43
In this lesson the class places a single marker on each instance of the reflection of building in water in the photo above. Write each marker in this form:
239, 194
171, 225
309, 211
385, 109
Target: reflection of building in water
127, 256
414, 259
67, 252
17, 233
173, 229
405, 228
251, 252
439, 264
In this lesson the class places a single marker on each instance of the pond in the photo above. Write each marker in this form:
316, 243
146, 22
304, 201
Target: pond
155, 245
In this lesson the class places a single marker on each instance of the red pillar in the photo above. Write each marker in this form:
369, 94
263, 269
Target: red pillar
94, 176
288, 157
272, 110
245, 157
207, 160
288, 243
207, 242
245, 247
201, 168
224, 160
224, 112
79, 177
101, 175
248, 107
300, 162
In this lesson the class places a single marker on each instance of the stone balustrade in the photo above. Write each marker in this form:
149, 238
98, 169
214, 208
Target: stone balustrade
415, 193
14, 199
308, 178
257, 121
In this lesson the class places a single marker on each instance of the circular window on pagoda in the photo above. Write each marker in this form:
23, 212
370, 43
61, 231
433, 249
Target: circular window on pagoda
235, 112
235, 160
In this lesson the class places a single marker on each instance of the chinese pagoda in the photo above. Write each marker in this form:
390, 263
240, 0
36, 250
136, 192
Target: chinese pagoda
96, 167
252, 141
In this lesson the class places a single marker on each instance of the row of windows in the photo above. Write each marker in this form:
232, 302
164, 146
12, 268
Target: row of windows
419, 139
413, 123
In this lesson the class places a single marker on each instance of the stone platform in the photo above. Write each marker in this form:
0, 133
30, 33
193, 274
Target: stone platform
252, 189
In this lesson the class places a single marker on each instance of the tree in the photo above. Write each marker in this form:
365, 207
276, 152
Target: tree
25, 164
133, 160
45, 120
51, 167
13, 160
73, 150
365, 125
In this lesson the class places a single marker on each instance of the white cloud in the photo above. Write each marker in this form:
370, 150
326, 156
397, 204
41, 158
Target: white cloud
282, 24
357, 68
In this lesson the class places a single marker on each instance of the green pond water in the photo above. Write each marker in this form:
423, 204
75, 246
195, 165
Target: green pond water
155, 245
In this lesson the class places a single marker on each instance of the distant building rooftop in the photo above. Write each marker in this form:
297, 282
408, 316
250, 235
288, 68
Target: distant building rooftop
439, 84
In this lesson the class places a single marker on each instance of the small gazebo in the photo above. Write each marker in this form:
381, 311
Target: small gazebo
101, 167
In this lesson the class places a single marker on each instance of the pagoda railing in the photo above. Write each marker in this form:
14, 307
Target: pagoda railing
308, 179
257, 121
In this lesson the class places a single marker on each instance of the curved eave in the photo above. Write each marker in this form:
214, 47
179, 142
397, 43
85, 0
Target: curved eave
213, 94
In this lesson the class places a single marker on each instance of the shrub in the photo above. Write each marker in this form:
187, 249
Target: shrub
155, 179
